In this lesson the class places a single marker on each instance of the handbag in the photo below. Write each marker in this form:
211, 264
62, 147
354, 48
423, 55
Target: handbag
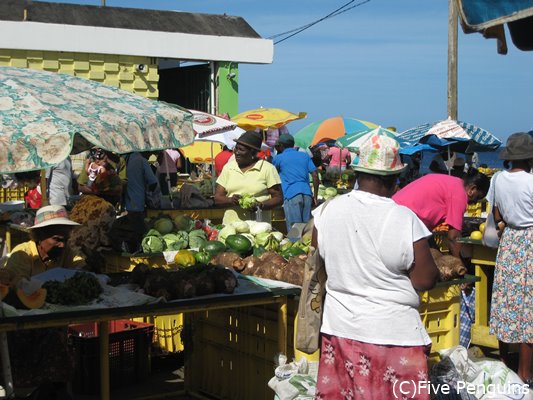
310, 306
490, 234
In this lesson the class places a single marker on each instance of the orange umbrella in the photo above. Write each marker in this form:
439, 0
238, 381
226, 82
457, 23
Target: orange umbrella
330, 129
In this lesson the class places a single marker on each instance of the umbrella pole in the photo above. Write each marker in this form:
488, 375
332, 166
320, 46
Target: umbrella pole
449, 157
44, 197
213, 173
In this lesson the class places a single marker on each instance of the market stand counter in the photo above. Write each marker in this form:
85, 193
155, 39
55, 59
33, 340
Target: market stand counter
484, 260
254, 296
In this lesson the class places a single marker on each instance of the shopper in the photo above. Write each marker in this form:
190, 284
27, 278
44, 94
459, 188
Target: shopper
60, 183
377, 256
167, 171
294, 168
511, 314
438, 198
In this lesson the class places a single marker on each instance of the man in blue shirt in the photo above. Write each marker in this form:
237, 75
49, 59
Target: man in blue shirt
294, 168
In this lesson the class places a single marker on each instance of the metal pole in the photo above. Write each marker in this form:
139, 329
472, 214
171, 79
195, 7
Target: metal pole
452, 59
103, 3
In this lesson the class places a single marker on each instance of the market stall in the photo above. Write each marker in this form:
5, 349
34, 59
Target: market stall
248, 293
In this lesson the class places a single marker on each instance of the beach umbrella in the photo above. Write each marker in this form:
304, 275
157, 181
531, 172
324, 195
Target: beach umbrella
211, 128
354, 140
457, 136
330, 129
264, 118
46, 116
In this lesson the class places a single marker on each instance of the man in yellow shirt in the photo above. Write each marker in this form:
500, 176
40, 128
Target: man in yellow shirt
247, 174
47, 248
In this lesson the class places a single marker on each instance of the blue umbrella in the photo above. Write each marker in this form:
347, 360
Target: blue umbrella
458, 136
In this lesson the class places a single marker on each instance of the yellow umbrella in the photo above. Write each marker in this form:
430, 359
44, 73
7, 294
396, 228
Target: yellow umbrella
265, 118
201, 152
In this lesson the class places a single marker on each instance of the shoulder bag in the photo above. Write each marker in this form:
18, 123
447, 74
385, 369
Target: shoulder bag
310, 306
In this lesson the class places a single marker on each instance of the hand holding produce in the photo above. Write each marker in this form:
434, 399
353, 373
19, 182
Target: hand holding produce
248, 202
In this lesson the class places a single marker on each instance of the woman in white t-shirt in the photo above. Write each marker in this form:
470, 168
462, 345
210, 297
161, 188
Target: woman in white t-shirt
376, 255
511, 192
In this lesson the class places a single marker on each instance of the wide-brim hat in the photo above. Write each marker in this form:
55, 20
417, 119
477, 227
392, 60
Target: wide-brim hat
519, 146
250, 139
52, 215
379, 155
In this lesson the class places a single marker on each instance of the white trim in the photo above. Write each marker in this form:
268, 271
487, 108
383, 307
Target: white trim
26, 35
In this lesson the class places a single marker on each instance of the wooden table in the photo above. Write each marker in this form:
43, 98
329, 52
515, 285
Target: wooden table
278, 296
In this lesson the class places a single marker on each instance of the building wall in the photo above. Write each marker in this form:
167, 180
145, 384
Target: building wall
113, 70
228, 88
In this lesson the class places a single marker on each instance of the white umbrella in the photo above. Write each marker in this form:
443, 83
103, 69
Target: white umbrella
211, 128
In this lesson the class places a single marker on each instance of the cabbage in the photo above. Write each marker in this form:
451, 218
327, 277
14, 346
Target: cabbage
277, 235
261, 239
184, 223
163, 225
330, 192
260, 227
250, 237
152, 232
247, 201
174, 241
230, 216
197, 238
153, 244
225, 232
240, 226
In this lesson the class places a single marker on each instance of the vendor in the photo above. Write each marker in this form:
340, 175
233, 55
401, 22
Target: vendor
438, 198
43, 363
47, 248
247, 174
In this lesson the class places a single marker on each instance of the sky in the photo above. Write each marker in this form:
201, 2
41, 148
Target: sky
384, 61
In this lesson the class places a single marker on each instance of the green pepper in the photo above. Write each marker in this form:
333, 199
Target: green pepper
203, 257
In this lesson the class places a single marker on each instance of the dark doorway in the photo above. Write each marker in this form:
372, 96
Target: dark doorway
186, 86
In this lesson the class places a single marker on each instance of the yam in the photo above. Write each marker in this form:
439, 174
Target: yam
225, 280
251, 263
435, 254
450, 267
229, 260
294, 270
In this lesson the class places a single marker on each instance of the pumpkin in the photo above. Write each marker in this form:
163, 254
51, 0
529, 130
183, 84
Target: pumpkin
22, 301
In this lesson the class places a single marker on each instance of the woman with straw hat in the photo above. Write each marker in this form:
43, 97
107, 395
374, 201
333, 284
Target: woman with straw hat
377, 256
511, 192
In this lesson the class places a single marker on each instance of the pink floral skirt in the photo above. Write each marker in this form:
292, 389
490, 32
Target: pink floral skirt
353, 370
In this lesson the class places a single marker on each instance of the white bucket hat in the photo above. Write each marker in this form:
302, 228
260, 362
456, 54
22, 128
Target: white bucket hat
52, 215
379, 155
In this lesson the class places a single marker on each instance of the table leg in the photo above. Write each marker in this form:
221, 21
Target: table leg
103, 332
6, 366
282, 325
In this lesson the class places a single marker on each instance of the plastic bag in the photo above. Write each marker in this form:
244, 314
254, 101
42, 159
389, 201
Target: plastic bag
490, 234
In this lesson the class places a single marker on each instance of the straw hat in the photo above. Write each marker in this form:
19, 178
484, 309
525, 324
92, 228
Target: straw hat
379, 155
52, 215
519, 146
250, 139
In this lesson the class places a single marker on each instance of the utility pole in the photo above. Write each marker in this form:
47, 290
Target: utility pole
103, 3
452, 59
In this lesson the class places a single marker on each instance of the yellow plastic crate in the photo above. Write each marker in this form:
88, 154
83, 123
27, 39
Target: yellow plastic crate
12, 194
440, 311
237, 345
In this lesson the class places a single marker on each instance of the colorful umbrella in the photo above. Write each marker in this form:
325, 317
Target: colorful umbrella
265, 118
353, 141
211, 128
45, 116
329, 129
202, 152
458, 136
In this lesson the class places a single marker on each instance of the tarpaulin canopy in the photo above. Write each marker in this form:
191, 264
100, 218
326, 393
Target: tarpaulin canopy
488, 17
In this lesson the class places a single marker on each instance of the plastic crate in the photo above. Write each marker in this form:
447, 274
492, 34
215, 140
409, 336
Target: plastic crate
234, 351
440, 311
8, 194
129, 354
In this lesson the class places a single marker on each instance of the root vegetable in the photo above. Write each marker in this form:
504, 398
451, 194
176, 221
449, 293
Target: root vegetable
229, 260
450, 267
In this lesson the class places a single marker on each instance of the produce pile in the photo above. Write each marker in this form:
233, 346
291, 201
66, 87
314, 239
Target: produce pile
249, 247
183, 283
82, 288
449, 267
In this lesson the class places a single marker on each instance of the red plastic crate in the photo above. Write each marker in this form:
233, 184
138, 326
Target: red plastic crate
129, 354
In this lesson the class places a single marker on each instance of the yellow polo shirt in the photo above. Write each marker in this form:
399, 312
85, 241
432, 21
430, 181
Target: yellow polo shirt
255, 181
24, 262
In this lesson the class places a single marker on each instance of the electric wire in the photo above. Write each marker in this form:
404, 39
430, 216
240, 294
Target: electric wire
338, 11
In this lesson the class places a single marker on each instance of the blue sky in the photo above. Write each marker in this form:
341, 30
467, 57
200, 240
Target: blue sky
385, 62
